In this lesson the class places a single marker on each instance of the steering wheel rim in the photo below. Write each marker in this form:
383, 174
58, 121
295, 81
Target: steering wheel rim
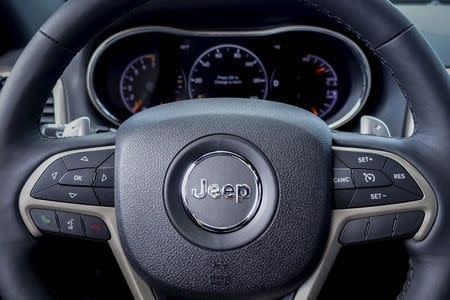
398, 45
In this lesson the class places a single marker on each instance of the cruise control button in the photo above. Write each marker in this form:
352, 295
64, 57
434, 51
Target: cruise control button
105, 196
70, 223
343, 198
354, 231
69, 194
370, 178
409, 223
359, 160
45, 220
50, 177
342, 179
88, 159
81, 177
104, 178
96, 228
400, 177
381, 196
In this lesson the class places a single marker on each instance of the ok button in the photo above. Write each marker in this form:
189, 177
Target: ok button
82, 177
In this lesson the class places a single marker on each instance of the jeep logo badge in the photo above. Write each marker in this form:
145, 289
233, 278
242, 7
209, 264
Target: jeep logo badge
238, 192
221, 191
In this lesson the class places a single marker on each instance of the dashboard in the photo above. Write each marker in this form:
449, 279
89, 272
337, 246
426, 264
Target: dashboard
310, 67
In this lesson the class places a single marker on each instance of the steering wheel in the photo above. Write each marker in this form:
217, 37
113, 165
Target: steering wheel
227, 198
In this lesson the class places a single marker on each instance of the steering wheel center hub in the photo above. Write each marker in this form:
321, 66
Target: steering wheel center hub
221, 191
216, 189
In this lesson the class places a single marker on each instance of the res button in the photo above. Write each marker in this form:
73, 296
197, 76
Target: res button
400, 177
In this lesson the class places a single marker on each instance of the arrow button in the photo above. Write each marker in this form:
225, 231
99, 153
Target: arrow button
72, 195
88, 159
104, 178
50, 177
69, 194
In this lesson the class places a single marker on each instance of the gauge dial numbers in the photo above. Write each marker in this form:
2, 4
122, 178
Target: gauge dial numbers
313, 68
314, 85
228, 71
138, 82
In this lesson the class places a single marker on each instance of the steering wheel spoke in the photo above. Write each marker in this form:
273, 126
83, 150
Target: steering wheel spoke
378, 195
72, 194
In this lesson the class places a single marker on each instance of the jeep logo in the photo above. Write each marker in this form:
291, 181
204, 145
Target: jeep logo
238, 192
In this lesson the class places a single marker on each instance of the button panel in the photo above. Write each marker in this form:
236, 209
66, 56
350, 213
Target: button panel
70, 224
401, 225
367, 179
73, 179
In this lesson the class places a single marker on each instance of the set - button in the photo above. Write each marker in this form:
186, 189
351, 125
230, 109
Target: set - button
366, 179
82, 178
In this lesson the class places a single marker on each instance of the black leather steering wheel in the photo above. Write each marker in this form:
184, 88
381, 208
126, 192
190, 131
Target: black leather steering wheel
154, 237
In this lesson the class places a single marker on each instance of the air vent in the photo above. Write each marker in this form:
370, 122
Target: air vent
48, 116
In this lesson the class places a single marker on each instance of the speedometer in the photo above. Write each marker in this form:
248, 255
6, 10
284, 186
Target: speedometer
228, 71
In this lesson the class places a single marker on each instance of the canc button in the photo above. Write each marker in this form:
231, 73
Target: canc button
342, 179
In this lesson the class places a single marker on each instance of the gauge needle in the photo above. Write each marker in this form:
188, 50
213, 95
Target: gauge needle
314, 110
320, 70
137, 106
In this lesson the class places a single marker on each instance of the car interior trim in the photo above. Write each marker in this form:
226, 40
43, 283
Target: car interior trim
138, 287
363, 61
428, 204
309, 290
60, 104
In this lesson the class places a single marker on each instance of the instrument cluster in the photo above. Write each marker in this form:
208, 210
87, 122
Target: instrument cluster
310, 67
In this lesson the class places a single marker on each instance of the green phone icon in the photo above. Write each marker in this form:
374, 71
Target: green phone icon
45, 220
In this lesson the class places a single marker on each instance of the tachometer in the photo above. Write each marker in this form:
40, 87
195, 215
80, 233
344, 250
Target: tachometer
228, 71
313, 86
138, 82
